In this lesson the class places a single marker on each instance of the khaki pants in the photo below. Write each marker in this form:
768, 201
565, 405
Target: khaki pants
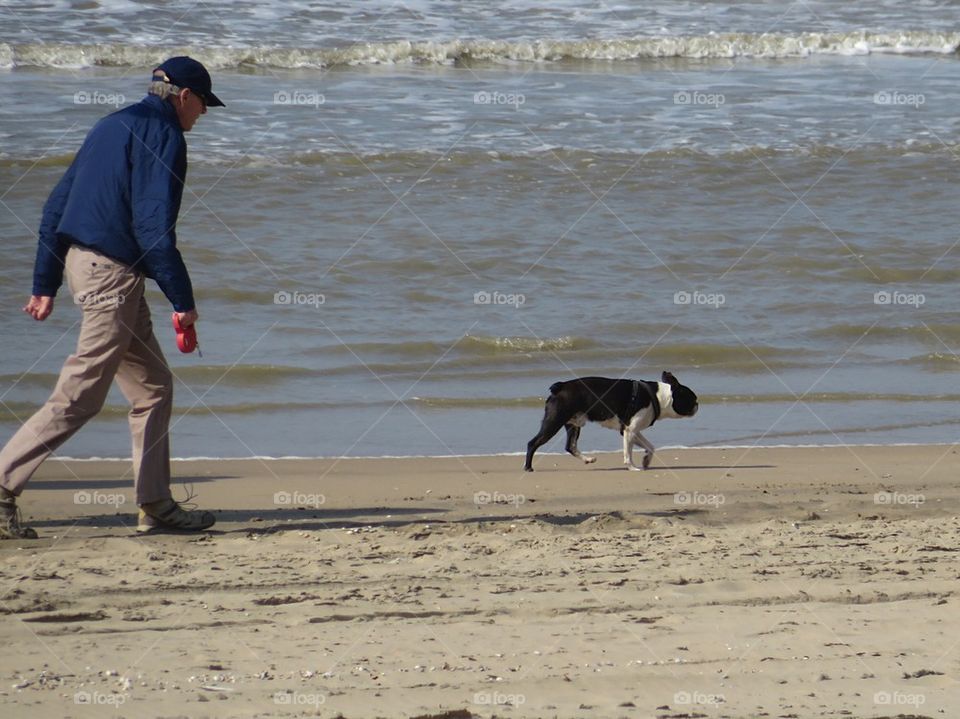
116, 340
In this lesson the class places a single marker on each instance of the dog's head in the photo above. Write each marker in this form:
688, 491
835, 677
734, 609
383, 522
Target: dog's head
683, 400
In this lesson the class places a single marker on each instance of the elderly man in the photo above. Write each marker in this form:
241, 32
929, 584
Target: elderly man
108, 224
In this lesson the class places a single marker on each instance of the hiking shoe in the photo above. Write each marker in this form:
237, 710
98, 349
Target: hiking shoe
167, 515
10, 527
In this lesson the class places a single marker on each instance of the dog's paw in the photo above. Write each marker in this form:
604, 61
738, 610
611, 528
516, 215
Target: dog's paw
646, 460
635, 468
589, 460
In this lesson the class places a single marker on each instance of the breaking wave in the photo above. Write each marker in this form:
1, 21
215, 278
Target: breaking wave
728, 45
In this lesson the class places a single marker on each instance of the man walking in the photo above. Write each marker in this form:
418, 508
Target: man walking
108, 224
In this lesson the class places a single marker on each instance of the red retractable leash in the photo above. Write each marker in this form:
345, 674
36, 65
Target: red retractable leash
186, 336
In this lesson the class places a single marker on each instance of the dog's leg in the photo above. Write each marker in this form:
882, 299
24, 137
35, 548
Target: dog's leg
647, 446
628, 449
544, 436
550, 426
573, 434
631, 436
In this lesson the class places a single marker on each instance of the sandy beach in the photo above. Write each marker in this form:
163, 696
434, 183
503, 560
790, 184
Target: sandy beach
799, 582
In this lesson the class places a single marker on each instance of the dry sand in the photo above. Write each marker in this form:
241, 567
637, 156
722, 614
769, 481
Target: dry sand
720, 583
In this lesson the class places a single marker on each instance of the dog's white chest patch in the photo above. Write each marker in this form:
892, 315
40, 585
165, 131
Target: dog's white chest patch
665, 398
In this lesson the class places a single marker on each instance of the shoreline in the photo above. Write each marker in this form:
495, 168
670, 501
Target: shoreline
540, 452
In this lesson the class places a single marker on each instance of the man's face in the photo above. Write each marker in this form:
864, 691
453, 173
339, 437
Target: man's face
190, 106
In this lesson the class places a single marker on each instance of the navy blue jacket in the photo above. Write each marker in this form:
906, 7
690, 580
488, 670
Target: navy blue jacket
121, 197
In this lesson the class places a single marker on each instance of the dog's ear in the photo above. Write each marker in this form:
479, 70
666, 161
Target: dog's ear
669, 379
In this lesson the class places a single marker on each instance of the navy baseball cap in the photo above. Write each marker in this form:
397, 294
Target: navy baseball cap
185, 72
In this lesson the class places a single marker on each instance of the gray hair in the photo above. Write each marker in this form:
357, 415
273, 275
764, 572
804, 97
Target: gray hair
162, 89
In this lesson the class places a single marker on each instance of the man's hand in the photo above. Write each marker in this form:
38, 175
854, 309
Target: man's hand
187, 318
39, 307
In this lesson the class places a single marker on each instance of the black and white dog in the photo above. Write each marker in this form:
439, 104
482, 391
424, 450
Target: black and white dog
627, 405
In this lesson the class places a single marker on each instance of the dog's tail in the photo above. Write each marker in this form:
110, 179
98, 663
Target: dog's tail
556, 387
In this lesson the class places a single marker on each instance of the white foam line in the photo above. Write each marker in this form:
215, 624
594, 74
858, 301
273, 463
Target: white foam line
447, 51
685, 448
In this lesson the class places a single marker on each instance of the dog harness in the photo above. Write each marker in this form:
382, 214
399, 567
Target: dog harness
654, 402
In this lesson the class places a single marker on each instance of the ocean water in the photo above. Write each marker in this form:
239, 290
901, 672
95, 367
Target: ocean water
412, 218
